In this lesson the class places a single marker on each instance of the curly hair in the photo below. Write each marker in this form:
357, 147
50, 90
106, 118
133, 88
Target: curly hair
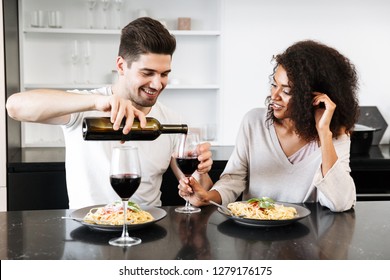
310, 67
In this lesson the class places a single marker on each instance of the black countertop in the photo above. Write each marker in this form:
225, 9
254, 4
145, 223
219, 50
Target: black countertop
36, 158
379, 156
370, 172
359, 234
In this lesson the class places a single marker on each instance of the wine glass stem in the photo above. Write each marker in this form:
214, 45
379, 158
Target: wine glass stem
188, 204
125, 233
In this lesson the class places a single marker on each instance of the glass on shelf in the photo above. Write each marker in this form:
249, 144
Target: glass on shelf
37, 19
54, 19
87, 58
118, 6
75, 57
91, 6
106, 6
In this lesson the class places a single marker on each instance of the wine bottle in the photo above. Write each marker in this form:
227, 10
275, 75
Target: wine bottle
100, 128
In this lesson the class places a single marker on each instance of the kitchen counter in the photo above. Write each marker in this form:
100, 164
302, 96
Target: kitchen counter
358, 234
378, 157
44, 168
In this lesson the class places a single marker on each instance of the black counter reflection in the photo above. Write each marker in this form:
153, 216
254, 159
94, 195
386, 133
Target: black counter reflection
147, 234
85, 243
288, 232
322, 235
193, 235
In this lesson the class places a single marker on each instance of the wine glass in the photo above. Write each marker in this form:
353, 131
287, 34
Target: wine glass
118, 5
75, 59
91, 7
106, 6
87, 58
125, 178
186, 158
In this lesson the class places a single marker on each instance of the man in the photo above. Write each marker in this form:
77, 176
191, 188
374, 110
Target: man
143, 65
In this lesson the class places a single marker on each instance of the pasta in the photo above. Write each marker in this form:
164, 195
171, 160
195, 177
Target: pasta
112, 214
262, 209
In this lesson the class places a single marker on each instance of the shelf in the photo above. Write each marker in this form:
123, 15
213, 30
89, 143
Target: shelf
196, 64
210, 86
93, 86
114, 31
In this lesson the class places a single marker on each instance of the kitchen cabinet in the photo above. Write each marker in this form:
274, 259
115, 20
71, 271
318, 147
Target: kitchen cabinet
72, 55
372, 173
37, 177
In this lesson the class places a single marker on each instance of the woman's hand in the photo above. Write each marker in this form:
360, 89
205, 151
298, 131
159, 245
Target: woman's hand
190, 189
324, 109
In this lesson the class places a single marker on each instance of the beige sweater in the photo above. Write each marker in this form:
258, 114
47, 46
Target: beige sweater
258, 167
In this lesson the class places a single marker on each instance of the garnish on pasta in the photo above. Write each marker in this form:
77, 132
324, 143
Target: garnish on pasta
112, 214
262, 209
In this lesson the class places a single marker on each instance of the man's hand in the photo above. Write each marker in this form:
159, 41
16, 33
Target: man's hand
120, 108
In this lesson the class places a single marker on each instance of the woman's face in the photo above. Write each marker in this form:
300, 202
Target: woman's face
280, 93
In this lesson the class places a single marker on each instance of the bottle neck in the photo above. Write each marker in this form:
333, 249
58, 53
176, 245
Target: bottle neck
174, 128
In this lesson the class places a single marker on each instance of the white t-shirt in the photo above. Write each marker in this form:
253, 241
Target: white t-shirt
87, 163
258, 167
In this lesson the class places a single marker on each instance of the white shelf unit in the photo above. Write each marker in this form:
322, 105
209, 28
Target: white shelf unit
45, 55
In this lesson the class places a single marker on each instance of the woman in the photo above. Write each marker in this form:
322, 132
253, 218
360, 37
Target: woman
297, 150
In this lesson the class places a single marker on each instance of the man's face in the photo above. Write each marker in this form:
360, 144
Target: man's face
146, 78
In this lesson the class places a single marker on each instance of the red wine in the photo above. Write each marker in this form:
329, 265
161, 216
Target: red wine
187, 165
125, 185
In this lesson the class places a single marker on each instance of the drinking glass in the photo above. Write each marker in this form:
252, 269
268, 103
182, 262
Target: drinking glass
186, 158
125, 178
91, 7
106, 6
87, 58
75, 56
118, 5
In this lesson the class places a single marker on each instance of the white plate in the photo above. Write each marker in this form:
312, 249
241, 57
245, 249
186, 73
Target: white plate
156, 212
302, 212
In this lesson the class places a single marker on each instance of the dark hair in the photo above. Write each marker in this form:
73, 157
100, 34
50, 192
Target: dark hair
145, 35
312, 66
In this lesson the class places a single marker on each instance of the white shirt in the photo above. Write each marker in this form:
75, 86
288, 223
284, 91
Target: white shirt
258, 167
87, 163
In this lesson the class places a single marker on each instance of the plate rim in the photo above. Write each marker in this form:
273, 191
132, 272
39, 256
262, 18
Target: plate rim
86, 209
269, 223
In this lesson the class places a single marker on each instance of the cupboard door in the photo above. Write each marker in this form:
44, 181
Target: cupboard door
37, 191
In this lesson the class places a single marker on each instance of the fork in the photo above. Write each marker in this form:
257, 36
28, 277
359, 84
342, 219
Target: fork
226, 210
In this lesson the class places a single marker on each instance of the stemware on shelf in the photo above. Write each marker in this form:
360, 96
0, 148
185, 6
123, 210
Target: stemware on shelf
91, 7
106, 6
87, 58
75, 57
118, 6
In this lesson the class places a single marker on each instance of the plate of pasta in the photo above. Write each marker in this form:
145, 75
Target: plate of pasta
109, 217
264, 212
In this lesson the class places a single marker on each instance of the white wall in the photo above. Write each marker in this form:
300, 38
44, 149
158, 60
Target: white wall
255, 30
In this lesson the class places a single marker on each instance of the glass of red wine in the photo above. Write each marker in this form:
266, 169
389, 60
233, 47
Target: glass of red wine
125, 178
186, 157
